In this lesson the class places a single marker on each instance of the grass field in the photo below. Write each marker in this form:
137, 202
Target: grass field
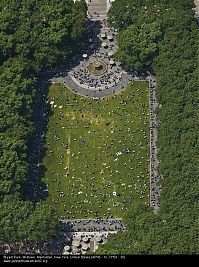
97, 158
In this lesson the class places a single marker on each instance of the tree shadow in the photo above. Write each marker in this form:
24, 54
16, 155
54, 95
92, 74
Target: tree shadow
34, 188
56, 245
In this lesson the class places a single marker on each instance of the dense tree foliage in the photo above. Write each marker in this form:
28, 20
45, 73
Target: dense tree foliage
175, 229
42, 223
14, 213
21, 221
35, 35
141, 23
42, 32
138, 45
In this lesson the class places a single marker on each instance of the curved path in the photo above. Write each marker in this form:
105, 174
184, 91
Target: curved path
103, 39
80, 90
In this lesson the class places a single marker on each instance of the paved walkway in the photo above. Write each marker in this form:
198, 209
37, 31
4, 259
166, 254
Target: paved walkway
101, 44
154, 177
93, 225
97, 9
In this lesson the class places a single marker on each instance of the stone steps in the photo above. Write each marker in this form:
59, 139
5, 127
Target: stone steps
97, 7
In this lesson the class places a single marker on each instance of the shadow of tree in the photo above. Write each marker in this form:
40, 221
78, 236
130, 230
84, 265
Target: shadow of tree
35, 189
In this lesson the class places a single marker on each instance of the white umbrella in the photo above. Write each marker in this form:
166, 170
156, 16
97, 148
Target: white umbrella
104, 44
110, 37
112, 62
85, 246
98, 238
77, 238
66, 248
85, 238
85, 55
110, 53
103, 35
112, 228
76, 243
75, 250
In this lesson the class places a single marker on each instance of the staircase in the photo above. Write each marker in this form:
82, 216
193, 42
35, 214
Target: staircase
97, 9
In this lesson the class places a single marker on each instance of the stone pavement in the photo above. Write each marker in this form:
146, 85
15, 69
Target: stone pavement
97, 9
83, 234
74, 87
93, 225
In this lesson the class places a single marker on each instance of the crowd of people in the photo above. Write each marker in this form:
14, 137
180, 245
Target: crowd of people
100, 153
81, 74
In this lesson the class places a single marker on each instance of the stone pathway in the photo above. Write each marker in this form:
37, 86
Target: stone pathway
97, 9
154, 177
93, 225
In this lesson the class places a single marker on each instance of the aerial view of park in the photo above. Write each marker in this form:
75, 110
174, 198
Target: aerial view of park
97, 152
99, 129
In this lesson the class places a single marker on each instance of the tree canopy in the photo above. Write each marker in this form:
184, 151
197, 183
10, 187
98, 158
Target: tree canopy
34, 36
138, 45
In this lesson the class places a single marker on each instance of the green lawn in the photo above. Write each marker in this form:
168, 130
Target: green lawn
96, 148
